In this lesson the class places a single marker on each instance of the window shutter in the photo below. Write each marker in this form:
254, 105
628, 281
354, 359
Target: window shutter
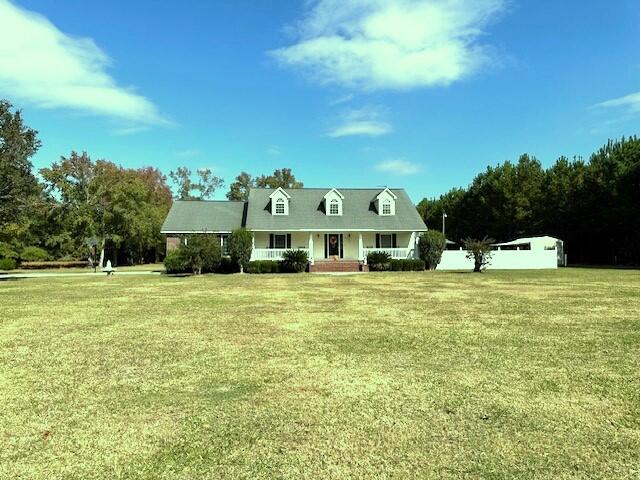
325, 246
394, 243
377, 240
288, 240
341, 246
271, 240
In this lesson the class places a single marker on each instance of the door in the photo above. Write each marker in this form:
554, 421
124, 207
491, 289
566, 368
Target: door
333, 245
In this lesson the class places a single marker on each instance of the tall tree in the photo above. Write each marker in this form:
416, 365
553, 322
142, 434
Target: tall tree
239, 189
18, 143
280, 178
205, 185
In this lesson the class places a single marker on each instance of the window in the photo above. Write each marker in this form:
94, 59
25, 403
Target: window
334, 208
386, 240
280, 206
386, 207
224, 240
279, 241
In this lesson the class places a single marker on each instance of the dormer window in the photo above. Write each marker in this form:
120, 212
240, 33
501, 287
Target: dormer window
333, 202
334, 207
279, 202
386, 202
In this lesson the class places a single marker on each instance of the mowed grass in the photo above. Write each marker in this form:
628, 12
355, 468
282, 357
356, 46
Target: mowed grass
399, 375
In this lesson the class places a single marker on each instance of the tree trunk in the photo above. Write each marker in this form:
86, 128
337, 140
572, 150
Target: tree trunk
102, 256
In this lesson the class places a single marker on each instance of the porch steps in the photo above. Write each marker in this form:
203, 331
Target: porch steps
338, 266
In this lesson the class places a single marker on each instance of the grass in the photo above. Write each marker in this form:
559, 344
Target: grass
398, 375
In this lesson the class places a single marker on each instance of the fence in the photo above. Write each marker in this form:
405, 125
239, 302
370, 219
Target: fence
502, 260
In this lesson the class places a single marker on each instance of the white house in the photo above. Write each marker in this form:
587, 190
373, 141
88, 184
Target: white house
337, 227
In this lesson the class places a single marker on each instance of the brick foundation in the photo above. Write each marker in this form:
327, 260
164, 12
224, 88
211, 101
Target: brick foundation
338, 266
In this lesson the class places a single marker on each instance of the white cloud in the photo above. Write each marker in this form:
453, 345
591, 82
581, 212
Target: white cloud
630, 102
398, 166
341, 100
368, 120
274, 150
392, 44
188, 153
48, 68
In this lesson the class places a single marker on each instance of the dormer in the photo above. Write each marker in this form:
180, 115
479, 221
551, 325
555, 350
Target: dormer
279, 202
386, 202
333, 202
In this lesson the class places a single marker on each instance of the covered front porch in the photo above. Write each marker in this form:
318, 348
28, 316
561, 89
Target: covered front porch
345, 245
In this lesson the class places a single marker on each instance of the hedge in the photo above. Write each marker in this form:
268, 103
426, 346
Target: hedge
406, 265
54, 264
7, 264
263, 266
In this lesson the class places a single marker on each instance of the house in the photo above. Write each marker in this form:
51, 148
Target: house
336, 227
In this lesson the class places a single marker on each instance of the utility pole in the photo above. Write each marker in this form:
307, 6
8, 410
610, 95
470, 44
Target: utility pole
444, 215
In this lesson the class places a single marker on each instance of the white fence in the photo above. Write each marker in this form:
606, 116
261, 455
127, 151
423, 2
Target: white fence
393, 252
502, 260
271, 253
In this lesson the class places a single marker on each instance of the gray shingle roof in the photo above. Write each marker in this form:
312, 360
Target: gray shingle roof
306, 211
204, 215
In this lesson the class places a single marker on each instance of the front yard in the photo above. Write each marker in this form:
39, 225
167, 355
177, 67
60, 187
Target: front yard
508, 374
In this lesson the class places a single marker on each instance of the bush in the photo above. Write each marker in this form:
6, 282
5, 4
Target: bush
294, 261
240, 246
263, 266
202, 252
34, 254
407, 265
176, 261
8, 264
7, 251
418, 265
54, 264
379, 261
430, 248
227, 266
396, 265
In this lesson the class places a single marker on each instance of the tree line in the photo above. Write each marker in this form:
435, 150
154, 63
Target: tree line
593, 206
78, 208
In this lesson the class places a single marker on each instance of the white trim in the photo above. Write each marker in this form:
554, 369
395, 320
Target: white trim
279, 189
168, 232
336, 191
331, 230
393, 195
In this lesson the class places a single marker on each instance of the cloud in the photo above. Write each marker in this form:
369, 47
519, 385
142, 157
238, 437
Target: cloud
367, 121
188, 153
392, 44
630, 102
50, 69
274, 150
341, 100
398, 166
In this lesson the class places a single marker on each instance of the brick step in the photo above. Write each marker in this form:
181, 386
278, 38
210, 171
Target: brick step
338, 266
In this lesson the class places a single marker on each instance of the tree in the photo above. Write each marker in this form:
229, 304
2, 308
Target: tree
479, 251
205, 186
20, 192
239, 189
240, 247
202, 253
430, 247
282, 178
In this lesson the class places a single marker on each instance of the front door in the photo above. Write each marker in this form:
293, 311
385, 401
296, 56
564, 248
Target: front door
333, 245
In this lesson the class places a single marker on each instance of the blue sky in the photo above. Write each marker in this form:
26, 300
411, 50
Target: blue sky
421, 94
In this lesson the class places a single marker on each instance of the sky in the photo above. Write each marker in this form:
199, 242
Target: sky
419, 94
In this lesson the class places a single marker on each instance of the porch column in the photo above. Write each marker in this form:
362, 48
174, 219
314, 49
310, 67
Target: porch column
253, 245
311, 248
360, 249
412, 245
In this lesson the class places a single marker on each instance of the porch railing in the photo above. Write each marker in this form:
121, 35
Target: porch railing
393, 252
272, 253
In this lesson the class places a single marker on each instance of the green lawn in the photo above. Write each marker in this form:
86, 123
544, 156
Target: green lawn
399, 375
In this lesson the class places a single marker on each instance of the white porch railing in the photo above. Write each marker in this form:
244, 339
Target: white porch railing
393, 252
272, 253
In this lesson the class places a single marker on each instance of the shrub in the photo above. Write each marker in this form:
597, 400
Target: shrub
430, 248
34, 254
54, 264
8, 264
7, 251
202, 252
379, 261
397, 265
407, 265
294, 261
227, 266
418, 265
479, 251
240, 246
262, 266
176, 261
